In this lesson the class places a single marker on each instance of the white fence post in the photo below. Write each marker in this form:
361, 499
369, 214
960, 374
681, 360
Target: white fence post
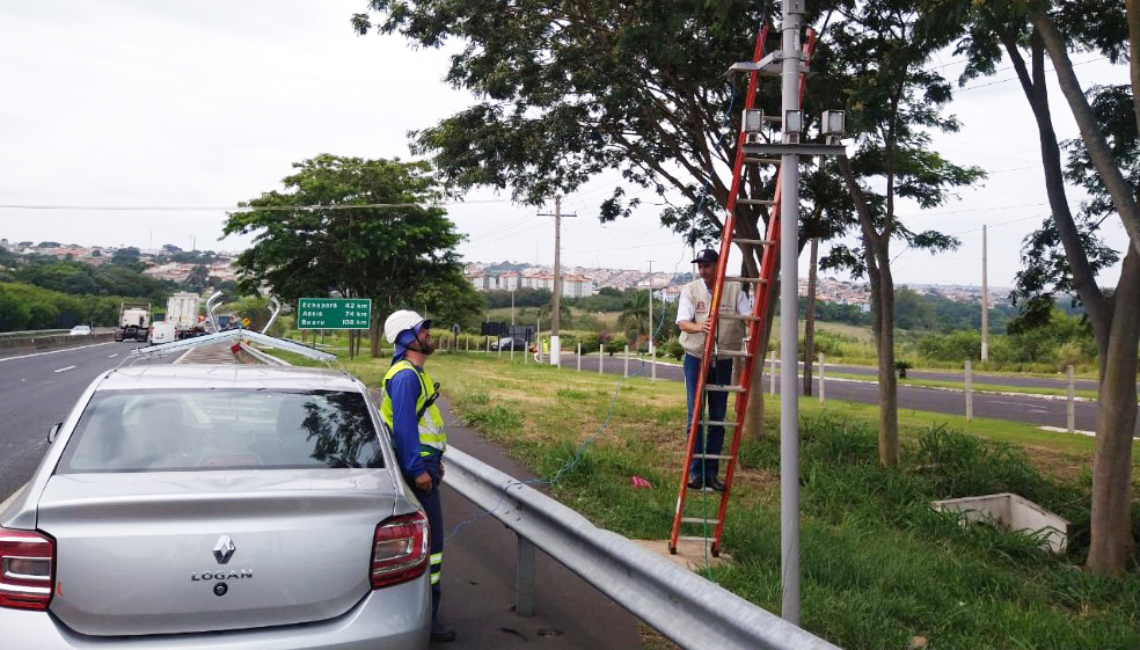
1071, 407
625, 372
601, 357
821, 379
969, 393
579, 357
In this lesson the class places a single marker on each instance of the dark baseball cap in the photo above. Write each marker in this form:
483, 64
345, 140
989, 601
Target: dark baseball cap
707, 256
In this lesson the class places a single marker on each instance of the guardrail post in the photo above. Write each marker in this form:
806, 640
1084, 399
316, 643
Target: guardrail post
467, 344
1070, 406
499, 351
653, 364
579, 357
969, 393
821, 380
601, 357
524, 578
625, 373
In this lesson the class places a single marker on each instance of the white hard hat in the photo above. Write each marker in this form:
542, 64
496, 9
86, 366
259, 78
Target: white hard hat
403, 319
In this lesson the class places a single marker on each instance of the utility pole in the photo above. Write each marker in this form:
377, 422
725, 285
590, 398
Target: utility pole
556, 306
789, 309
791, 63
985, 303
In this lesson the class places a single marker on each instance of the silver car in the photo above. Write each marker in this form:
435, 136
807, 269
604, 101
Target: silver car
216, 507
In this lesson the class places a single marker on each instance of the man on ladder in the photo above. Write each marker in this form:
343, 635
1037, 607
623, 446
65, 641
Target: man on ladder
693, 319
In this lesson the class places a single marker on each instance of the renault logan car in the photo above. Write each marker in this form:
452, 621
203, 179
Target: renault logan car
216, 507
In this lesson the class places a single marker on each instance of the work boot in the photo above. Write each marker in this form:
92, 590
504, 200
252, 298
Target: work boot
440, 633
696, 483
715, 484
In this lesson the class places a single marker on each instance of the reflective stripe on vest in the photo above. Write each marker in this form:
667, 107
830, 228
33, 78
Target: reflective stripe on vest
431, 430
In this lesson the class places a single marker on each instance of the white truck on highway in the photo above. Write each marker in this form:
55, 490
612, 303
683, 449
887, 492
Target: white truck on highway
134, 321
182, 310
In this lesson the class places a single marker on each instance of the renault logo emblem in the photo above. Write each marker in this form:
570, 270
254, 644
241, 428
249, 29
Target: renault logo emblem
224, 549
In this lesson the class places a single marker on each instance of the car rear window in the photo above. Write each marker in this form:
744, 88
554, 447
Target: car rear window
141, 431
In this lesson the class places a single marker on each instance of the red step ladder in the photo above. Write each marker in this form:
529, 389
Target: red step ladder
768, 268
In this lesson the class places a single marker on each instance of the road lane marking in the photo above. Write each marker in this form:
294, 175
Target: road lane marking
185, 354
40, 354
64, 369
113, 355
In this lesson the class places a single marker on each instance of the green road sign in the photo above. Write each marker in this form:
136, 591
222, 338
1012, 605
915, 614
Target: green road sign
334, 313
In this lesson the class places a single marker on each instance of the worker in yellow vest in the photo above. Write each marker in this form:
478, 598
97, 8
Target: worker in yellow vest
408, 408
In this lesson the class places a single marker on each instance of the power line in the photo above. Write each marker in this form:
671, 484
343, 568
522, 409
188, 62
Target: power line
1008, 67
230, 208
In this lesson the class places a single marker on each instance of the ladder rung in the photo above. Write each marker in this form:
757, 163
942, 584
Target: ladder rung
741, 278
724, 388
749, 317
755, 242
694, 538
719, 423
711, 457
763, 161
733, 353
756, 201
698, 520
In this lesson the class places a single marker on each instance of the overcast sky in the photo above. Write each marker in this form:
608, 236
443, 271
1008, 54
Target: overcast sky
208, 102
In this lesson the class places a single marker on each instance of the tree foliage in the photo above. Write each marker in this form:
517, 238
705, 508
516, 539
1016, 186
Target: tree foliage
396, 255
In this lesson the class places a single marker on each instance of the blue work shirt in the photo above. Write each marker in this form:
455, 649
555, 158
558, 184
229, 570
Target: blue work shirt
404, 390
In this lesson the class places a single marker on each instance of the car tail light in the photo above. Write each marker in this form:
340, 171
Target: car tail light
27, 569
399, 550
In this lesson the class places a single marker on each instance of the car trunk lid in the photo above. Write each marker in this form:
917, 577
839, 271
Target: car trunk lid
176, 552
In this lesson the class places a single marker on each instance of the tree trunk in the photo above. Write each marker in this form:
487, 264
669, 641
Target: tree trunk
754, 418
1091, 134
1132, 11
1111, 543
1084, 282
374, 337
885, 344
809, 320
876, 253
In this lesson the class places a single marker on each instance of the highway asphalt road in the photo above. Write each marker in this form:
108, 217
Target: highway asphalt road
38, 390
1035, 410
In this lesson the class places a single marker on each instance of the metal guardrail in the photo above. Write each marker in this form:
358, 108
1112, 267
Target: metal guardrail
262, 357
689, 610
32, 333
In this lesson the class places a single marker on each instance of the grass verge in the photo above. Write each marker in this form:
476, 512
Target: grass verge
879, 567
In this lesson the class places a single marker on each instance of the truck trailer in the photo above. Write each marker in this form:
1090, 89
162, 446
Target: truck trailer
182, 310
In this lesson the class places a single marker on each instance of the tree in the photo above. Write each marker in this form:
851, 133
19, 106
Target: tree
573, 89
892, 103
1105, 162
126, 257
394, 255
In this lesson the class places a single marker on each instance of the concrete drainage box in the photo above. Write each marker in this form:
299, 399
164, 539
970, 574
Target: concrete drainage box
1013, 512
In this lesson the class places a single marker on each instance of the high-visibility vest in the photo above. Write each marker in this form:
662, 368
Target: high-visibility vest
433, 439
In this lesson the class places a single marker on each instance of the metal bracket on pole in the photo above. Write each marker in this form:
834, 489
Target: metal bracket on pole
801, 149
770, 66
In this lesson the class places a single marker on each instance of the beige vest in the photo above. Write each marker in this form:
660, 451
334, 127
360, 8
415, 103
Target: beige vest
730, 333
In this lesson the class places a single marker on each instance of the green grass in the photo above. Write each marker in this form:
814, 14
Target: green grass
879, 566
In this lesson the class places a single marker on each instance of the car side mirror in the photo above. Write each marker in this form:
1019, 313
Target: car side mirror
53, 432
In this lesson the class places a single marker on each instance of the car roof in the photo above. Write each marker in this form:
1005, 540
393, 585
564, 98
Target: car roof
190, 376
